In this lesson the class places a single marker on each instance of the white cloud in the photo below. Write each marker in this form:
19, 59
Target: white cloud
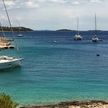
31, 4
75, 2
96, 1
9, 3
58, 1
54, 14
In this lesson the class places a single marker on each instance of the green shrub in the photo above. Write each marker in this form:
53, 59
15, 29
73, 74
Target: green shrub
6, 102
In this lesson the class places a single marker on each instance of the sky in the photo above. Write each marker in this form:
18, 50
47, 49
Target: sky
56, 14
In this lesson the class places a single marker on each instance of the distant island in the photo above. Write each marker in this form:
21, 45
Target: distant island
65, 30
68, 30
15, 29
83, 32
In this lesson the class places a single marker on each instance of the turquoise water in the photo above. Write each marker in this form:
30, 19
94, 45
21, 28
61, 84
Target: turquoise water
54, 70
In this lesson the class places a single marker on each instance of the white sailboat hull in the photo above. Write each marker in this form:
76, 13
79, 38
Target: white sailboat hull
77, 37
95, 39
4, 64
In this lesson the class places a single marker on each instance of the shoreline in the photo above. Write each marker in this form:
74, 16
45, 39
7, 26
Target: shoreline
73, 104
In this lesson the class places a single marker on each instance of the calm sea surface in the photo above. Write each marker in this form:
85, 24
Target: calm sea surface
55, 68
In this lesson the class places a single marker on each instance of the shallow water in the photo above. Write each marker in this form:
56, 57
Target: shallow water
55, 69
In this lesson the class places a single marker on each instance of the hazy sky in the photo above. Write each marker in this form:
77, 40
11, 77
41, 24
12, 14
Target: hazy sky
56, 14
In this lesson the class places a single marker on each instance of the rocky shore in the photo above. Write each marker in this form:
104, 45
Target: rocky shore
74, 104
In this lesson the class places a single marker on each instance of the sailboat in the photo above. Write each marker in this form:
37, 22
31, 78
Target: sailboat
77, 37
19, 31
95, 38
9, 61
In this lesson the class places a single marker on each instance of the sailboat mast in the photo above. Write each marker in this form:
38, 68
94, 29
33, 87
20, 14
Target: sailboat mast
78, 26
7, 16
19, 26
95, 25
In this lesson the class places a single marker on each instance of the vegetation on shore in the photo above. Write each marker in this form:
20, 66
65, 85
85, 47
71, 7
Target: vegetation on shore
6, 101
16, 29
